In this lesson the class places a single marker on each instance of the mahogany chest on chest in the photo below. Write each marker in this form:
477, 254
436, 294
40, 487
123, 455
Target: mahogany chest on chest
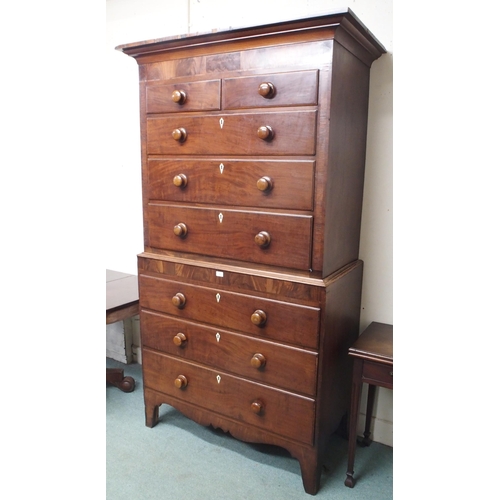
253, 151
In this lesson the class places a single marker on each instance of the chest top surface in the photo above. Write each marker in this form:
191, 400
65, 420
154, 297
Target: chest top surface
343, 24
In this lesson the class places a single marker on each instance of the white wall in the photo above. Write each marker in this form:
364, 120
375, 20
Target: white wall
136, 20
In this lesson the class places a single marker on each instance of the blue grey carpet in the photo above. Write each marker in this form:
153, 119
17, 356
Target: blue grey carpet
181, 460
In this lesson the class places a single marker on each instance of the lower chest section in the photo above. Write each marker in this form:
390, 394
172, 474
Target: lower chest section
235, 347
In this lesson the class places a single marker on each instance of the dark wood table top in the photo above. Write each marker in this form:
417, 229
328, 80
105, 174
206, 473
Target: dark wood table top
374, 344
121, 290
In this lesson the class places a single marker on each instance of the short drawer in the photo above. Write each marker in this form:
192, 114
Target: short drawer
261, 237
277, 89
295, 324
377, 373
287, 414
284, 133
260, 360
256, 183
177, 97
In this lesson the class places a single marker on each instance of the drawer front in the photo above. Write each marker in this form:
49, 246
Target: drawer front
284, 413
377, 373
282, 239
250, 357
191, 96
293, 133
279, 89
282, 321
256, 183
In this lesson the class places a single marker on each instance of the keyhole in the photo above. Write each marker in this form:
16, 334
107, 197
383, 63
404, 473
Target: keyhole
221, 167
221, 217
218, 379
221, 122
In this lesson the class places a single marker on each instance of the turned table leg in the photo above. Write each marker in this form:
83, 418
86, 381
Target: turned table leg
369, 412
353, 420
373, 363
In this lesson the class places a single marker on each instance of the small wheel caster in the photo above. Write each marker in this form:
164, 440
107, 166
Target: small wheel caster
127, 384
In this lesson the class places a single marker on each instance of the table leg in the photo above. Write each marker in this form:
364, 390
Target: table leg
366, 441
353, 420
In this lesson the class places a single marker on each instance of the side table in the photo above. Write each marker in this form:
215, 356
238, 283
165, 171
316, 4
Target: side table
373, 364
122, 301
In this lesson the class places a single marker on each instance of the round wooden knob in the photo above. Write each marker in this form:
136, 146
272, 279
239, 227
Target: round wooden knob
180, 339
258, 360
259, 317
267, 89
180, 229
180, 382
179, 134
179, 300
263, 239
265, 133
179, 96
265, 184
180, 180
257, 406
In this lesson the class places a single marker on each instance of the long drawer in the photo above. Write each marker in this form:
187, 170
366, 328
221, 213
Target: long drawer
278, 411
260, 360
260, 237
289, 133
295, 324
256, 183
